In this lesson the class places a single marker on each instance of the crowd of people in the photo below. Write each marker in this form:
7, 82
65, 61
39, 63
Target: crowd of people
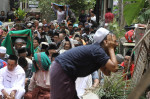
40, 60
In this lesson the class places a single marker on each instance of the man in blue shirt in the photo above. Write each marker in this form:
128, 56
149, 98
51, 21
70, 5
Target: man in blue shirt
80, 62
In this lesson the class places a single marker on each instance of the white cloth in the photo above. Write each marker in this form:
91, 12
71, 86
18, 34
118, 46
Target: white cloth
83, 83
29, 63
62, 51
29, 24
100, 34
60, 16
93, 18
2, 50
40, 24
13, 80
18, 40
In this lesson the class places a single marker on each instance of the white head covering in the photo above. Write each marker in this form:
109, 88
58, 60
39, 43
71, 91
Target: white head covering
2, 50
100, 34
41, 24
29, 24
18, 40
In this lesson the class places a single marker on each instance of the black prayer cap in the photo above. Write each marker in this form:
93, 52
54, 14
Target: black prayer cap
76, 36
44, 46
50, 32
22, 62
52, 46
22, 50
28, 51
13, 57
67, 39
56, 34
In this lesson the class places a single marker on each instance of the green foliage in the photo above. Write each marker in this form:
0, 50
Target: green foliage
114, 27
46, 10
132, 9
78, 5
144, 15
113, 88
75, 5
20, 14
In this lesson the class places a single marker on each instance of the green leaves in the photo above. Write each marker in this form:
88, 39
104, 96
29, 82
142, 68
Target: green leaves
144, 17
132, 9
20, 14
113, 87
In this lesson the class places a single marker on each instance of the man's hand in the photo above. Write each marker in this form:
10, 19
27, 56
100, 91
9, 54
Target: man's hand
111, 43
12, 94
105, 71
26, 80
8, 97
5, 94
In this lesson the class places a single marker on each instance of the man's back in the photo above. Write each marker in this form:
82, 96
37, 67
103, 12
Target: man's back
83, 60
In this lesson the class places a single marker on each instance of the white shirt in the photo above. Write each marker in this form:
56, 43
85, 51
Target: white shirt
60, 16
39, 78
12, 79
93, 18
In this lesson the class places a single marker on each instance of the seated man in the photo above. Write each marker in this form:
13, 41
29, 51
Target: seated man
24, 64
3, 16
39, 87
12, 79
125, 63
3, 54
18, 44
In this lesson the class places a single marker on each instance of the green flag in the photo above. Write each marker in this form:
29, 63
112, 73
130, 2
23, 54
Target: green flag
13, 35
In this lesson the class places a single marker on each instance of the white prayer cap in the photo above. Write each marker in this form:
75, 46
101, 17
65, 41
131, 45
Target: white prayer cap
2, 50
100, 34
40, 24
29, 24
18, 40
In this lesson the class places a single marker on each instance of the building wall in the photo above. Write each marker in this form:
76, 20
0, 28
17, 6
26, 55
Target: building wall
4, 6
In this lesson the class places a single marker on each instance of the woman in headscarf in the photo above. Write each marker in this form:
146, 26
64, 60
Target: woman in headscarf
68, 44
39, 87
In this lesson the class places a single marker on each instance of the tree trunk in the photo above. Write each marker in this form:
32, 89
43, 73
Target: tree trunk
121, 18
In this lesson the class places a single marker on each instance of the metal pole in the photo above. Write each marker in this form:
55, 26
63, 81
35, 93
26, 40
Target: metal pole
97, 11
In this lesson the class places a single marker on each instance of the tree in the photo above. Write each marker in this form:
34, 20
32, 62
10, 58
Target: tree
46, 10
78, 5
75, 5
132, 8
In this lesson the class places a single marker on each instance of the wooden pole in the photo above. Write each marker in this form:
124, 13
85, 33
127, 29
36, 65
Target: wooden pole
141, 87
